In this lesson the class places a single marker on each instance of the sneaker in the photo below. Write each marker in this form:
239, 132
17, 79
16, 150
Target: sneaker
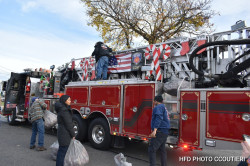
32, 147
41, 148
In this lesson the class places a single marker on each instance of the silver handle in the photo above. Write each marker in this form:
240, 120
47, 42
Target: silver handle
246, 117
184, 117
134, 109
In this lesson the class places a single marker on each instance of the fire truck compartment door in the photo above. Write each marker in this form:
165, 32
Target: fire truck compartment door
224, 115
105, 96
137, 109
14, 93
10, 102
190, 118
79, 95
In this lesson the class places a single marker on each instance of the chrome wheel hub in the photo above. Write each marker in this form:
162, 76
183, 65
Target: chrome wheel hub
98, 134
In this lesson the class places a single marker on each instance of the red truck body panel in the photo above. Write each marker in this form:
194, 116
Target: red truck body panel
224, 115
108, 96
134, 100
190, 128
214, 118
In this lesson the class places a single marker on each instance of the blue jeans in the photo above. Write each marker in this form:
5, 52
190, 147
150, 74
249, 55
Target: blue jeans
37, 126
102, 68
158, 143
61, 155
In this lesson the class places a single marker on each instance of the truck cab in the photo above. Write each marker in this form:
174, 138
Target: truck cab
19, 90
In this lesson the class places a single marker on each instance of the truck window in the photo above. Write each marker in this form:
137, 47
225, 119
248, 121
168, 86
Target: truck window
16, 85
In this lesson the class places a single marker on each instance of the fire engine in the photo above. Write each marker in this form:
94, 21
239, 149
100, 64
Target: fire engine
204, 81
43, 83
20, 89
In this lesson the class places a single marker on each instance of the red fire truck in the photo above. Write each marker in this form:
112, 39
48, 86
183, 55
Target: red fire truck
43, 83
21, 87
204, 81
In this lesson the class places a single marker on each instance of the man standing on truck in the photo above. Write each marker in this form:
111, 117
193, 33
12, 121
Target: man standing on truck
160, 125
36, 114
101, 53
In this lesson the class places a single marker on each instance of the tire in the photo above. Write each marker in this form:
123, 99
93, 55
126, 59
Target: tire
11, 118
99, 134
80, 127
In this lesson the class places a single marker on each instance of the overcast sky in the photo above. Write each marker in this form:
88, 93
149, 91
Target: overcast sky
40, 33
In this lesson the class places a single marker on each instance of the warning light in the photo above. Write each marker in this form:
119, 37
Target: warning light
114, 133
145, 139
187, 148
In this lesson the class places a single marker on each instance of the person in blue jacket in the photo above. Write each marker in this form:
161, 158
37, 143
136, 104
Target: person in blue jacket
160, 125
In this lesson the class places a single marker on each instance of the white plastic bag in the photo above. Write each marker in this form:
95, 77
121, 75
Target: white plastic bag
54, 149
50, 119
76, 154
120, 160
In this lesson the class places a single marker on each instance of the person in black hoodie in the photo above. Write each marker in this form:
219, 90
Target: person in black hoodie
65, 130
101, 53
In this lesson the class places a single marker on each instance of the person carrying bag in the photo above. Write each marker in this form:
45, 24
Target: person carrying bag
65, 130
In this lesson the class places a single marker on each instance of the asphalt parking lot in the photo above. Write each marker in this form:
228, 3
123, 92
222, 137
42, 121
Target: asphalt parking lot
14, 151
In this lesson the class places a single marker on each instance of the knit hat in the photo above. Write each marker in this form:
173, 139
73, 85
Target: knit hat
63, 99
98, 43
158, 99
34, 99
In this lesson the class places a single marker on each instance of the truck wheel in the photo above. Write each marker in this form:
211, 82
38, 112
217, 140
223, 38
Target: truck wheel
99, 134
80, 127
11, 118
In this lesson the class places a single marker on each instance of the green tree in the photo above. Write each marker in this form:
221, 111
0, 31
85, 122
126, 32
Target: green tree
120, 22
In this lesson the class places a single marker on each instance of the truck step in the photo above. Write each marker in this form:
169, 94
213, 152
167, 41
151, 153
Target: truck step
170, 102
173, 140
20, 120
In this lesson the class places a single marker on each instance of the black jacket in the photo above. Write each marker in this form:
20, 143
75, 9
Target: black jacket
101, 50
65, 130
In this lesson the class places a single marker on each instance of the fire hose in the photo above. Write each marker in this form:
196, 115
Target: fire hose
230, 73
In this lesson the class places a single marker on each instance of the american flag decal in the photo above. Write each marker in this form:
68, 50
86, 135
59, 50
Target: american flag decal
120, 63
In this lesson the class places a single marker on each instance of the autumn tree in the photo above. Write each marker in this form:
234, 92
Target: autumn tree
120, 22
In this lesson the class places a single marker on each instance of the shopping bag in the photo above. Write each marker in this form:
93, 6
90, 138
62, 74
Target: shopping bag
50, 119
120, 160
54, 149
76, 154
